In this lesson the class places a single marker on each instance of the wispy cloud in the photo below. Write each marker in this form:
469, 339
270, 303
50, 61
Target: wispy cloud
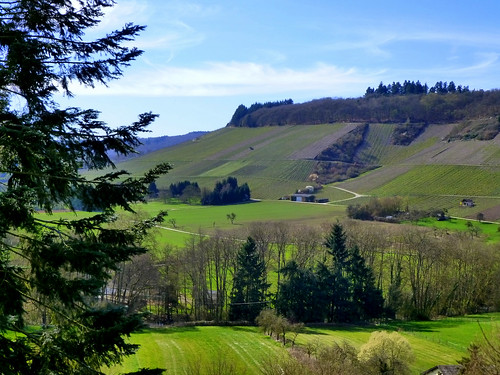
165, 28
379, 42
236, 78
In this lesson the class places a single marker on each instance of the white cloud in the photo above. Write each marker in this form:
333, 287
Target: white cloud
124, 11
236, 78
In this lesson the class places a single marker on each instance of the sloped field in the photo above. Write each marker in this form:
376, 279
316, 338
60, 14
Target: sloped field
456, 180
276, 161
181, 349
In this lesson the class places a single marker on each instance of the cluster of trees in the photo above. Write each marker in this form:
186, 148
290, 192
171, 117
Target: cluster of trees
326, 172
341, 289
178, 189
420, 273
482, 130
431, 108
185, 191
249, 293
50, 268
226, 191
278, 327
376, 209
241, 116
415, 88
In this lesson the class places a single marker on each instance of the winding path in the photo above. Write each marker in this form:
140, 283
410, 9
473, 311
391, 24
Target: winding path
355, 195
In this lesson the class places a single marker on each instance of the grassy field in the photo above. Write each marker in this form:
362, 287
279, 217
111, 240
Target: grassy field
184, 220
183, 348
435, 342
198, 219
490, 231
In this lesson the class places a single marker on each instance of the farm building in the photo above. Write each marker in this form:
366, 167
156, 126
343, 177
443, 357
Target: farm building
302, 197
467, 203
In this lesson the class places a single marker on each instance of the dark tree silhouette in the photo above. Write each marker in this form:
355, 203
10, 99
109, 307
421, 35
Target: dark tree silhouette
58, 267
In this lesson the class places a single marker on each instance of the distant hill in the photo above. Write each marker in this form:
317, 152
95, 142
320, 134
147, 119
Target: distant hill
156, 143
435, 168
431, 146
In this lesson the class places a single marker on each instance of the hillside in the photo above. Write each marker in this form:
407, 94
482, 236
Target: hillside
432, 171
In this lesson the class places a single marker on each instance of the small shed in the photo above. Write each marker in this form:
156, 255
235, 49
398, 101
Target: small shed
466, 202
443, 370
302, 197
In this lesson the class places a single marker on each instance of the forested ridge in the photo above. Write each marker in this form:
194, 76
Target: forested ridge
394, 103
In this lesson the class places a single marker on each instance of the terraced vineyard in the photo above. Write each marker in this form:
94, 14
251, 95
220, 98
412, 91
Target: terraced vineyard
276, 161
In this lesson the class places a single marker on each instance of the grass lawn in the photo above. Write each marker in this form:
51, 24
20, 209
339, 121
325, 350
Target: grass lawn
489, 231
206, 219
182, 348
436, 342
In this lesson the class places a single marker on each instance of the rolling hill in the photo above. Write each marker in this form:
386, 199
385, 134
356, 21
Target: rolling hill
433, 171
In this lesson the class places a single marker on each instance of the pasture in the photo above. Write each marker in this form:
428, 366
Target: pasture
178, 349
487, 230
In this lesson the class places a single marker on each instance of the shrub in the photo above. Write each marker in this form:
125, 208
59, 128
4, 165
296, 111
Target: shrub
386, 353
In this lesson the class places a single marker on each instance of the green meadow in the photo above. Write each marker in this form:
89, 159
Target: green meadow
184, 220
178, 349
487, 230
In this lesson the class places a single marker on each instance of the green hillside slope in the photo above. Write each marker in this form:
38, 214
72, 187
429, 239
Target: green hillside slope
431, 172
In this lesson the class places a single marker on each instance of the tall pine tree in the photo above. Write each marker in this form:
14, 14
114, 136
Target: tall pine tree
353, 294
340, 309
58, 267
248, 296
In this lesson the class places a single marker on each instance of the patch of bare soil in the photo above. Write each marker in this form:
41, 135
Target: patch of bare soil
435, 131
492, 213
313, 149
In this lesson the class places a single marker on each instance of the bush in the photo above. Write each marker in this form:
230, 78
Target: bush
386, 353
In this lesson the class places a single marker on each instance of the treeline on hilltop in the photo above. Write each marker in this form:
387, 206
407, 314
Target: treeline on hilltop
394, 103
415, 88
242, 114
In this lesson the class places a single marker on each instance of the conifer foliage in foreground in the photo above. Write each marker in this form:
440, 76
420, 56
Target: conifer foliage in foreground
55, 269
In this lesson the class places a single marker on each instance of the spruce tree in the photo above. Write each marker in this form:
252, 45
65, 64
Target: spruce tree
340, 298
57, 267
367, 299
353, 294
248, 296
300, 298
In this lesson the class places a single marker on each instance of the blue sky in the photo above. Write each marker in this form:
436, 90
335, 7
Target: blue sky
204, 58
